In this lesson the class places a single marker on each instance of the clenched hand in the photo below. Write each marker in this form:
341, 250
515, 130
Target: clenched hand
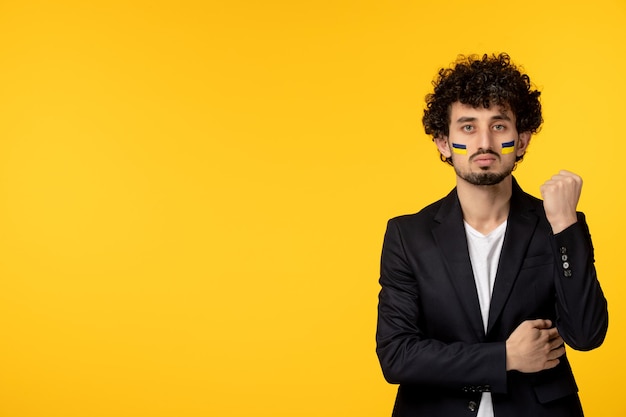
534, 346
560, 197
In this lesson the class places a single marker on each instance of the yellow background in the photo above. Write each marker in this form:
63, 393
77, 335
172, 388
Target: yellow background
193, 195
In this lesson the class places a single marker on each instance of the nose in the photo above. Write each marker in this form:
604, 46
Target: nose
485, 140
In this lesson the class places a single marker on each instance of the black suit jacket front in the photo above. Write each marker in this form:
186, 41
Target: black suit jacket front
430, 335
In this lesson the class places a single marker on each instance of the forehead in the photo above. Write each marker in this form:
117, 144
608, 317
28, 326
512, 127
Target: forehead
462, 112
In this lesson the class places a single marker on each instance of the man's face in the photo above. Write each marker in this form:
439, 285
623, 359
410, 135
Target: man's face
483, 143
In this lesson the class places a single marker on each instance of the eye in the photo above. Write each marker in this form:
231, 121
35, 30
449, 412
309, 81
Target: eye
467, 128
499, 127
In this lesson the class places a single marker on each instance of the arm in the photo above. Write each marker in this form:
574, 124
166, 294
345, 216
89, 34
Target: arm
581, 307
406, 353
409, 356
582, 314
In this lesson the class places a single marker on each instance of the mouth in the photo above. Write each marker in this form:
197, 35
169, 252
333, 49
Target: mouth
485, 160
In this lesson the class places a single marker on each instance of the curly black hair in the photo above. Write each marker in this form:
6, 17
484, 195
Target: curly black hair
492, 80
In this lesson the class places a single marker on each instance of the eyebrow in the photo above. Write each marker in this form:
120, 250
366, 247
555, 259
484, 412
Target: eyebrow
466, 119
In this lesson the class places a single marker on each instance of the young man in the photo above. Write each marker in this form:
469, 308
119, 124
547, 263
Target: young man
481, 289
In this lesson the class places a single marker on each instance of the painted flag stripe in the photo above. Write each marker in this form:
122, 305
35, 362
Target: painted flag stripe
508, 147
458, 148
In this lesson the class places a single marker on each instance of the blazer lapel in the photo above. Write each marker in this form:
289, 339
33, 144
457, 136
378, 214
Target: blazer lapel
521, 225
449, 235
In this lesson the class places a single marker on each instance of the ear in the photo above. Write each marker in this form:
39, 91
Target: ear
522, 143
443, 146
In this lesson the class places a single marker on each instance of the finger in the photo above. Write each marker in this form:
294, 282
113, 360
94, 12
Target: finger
555, 343
556, 353
569, 174
551, 364
549, 334
565, 177
552, 333
541, 323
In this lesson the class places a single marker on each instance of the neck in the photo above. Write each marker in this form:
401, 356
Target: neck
485, 207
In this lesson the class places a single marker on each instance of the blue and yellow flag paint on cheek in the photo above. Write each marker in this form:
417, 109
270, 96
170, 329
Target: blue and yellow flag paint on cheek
508, 147
458, 148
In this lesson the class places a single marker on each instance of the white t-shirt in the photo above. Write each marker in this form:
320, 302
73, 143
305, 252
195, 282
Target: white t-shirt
484, 252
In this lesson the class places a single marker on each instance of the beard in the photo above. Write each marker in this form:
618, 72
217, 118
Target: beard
486, 177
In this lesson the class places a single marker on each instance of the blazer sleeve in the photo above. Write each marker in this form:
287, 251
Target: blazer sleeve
406, 354
582, 314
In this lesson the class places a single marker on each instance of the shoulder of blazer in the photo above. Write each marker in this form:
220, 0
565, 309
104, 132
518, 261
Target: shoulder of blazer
437, 211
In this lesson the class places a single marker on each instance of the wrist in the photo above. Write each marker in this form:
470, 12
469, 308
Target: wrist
510, 361
560, 224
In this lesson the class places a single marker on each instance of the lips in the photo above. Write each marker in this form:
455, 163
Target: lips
484, 157
485, 161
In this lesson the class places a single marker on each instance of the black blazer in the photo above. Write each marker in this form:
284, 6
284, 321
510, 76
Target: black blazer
430, 336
